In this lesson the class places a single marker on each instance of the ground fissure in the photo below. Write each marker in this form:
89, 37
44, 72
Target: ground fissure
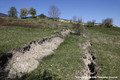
18, 62
90, 67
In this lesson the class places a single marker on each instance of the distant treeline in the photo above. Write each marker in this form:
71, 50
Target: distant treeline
53, 12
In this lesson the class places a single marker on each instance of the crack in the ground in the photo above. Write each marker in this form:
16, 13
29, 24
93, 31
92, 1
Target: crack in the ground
91, 68
20, 61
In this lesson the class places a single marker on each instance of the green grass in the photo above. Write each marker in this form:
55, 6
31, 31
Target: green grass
39, 22
65, 63
110, 31
12, 37
106, 44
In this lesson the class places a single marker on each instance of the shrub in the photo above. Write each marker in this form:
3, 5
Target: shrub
108, 25
90, 23
41, 16
78, 28
107, 22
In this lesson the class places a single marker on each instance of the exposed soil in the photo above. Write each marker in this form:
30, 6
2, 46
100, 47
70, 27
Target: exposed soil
90, 67
20, 61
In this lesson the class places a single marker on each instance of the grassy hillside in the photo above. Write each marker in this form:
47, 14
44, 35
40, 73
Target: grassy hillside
106, 44
15, 32
33, 22
12, 37
65, 64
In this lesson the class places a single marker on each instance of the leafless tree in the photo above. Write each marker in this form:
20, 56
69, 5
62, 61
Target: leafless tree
80, 20
74, 18
54, 12
93, 21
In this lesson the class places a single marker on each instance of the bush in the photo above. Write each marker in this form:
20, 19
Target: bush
41, 16
78, 28
108, 25
107, 22
90, 23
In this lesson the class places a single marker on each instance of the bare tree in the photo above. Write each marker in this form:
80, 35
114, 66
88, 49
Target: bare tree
54, 12
79, 20
93, 22
77, 25
74, 18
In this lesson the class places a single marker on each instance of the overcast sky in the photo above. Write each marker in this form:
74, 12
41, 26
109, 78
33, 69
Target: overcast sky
85, 9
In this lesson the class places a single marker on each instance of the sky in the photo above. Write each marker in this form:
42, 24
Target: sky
87, 10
